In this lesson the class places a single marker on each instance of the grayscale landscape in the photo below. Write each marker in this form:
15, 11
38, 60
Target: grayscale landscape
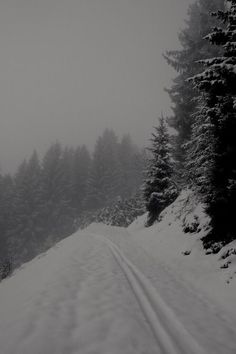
117, 177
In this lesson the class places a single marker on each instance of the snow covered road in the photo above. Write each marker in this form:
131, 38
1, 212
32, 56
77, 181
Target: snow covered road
76, 300
86, 295
171, 336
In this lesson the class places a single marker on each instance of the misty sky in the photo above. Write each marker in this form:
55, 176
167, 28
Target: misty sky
71, 68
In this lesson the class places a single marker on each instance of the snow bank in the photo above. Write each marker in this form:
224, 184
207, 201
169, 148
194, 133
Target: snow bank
176, 242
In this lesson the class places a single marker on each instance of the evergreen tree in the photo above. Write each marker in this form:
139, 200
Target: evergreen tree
185, 62
16, 238
126, 152
27, 226
139, 166
131, 167
159, 189
57, 204
80, 174
40, 204
104, 176
6, 215
215, 129
67, 169
33, 195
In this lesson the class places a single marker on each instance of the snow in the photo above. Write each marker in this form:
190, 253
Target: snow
112, 290
184, 255
74, 299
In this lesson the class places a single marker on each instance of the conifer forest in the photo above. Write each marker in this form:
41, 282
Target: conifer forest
117, 177
47, 199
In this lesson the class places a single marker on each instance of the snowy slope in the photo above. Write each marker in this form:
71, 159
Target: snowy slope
112, 290
182, 253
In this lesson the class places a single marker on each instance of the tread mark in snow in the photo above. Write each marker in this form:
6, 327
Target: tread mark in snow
171, 336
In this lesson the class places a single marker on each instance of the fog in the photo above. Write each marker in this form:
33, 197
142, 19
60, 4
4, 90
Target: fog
71, 68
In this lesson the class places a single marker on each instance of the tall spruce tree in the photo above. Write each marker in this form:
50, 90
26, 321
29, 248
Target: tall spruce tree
6, 215
213, 144
56, 190
80, 173
131, 167
16, 237
26, 228
159, 189
103, 181
185, 62
126, 153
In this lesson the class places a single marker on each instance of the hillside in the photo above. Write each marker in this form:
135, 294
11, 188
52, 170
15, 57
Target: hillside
176, 241
114, 290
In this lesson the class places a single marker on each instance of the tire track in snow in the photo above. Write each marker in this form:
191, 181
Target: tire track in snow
170, 334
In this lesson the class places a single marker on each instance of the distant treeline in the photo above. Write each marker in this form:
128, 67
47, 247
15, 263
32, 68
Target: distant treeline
43, 201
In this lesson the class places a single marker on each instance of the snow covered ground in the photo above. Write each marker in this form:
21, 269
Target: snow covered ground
112, 290
182, 253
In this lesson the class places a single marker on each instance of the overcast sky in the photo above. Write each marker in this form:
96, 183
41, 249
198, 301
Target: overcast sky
71, 68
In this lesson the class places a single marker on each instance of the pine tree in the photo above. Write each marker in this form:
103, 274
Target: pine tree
16, 238
159, 190
215, 128
6, 215
138, 166
131, 165
185, 62
125, 155
57, 203
27, 226
104, 176
67, 169
80, 174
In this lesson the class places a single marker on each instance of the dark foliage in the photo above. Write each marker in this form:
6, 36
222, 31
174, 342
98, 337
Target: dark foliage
159, 189
122, 213
41, 202
213, 151
186, 62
